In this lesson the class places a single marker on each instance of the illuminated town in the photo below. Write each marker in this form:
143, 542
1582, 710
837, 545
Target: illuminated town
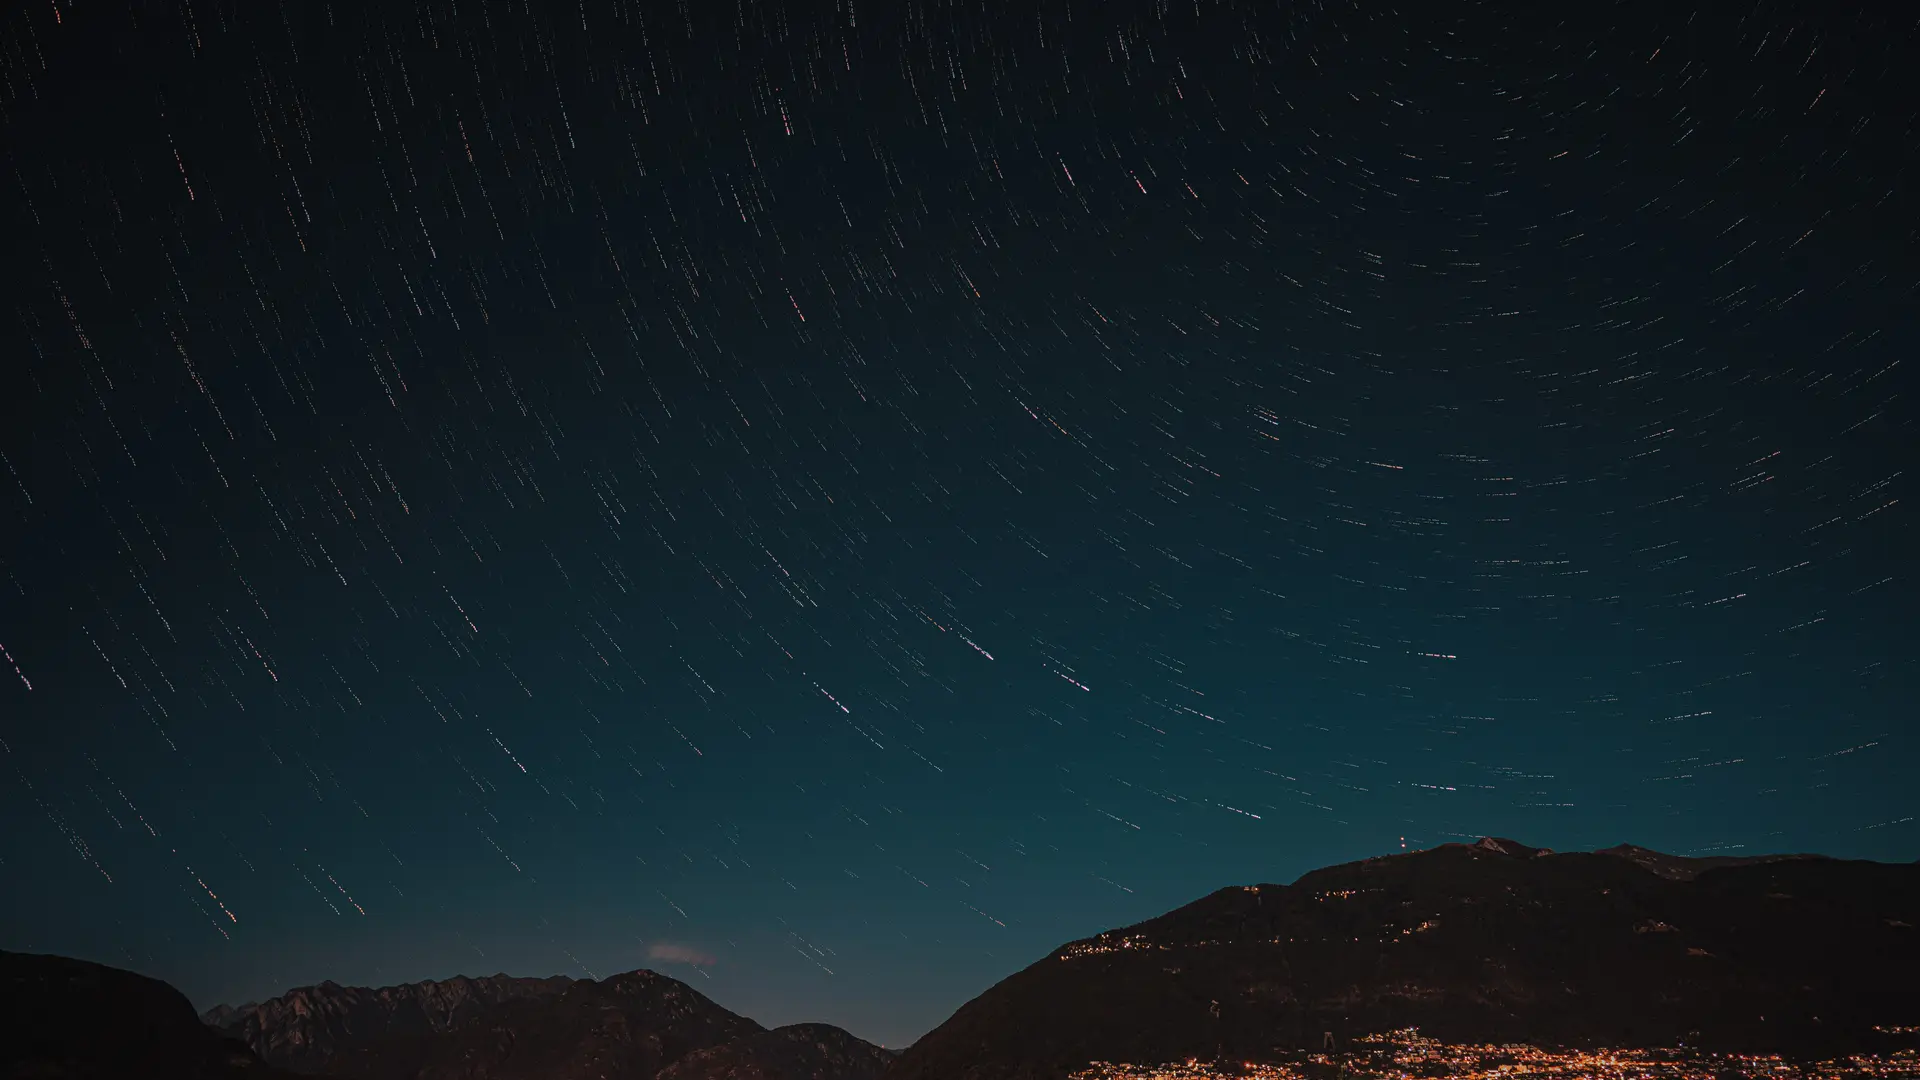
1406, 1055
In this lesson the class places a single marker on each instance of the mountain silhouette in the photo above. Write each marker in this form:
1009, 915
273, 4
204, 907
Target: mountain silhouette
639, 1025
310, 1028
795, 1052
63, 1019
1488, 942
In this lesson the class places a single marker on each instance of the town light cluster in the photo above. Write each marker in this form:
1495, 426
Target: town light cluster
1407, 1055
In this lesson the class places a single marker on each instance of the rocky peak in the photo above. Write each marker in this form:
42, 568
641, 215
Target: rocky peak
308, 1027
497, 1027
1497, 845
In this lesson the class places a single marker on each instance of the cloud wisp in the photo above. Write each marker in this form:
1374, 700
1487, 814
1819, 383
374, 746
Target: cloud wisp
673, 953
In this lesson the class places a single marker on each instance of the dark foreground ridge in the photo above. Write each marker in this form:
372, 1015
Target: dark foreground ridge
1489, 942
70, 1020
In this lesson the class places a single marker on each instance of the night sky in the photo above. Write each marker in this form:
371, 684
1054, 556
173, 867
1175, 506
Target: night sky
831, 500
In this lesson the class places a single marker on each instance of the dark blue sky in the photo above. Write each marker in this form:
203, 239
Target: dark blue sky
833, 501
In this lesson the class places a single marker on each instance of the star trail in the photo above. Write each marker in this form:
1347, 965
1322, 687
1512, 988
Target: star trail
831, 500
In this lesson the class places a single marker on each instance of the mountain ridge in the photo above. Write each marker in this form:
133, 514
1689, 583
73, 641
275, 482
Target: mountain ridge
1491, 941
638, 1024
306, 1027
792, 1052
501, 1028
1486, 942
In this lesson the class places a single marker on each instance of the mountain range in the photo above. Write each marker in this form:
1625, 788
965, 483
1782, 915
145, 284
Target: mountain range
640, 1024
1488, 942
1492, 941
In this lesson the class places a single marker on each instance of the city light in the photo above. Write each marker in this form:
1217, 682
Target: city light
1407, 1055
